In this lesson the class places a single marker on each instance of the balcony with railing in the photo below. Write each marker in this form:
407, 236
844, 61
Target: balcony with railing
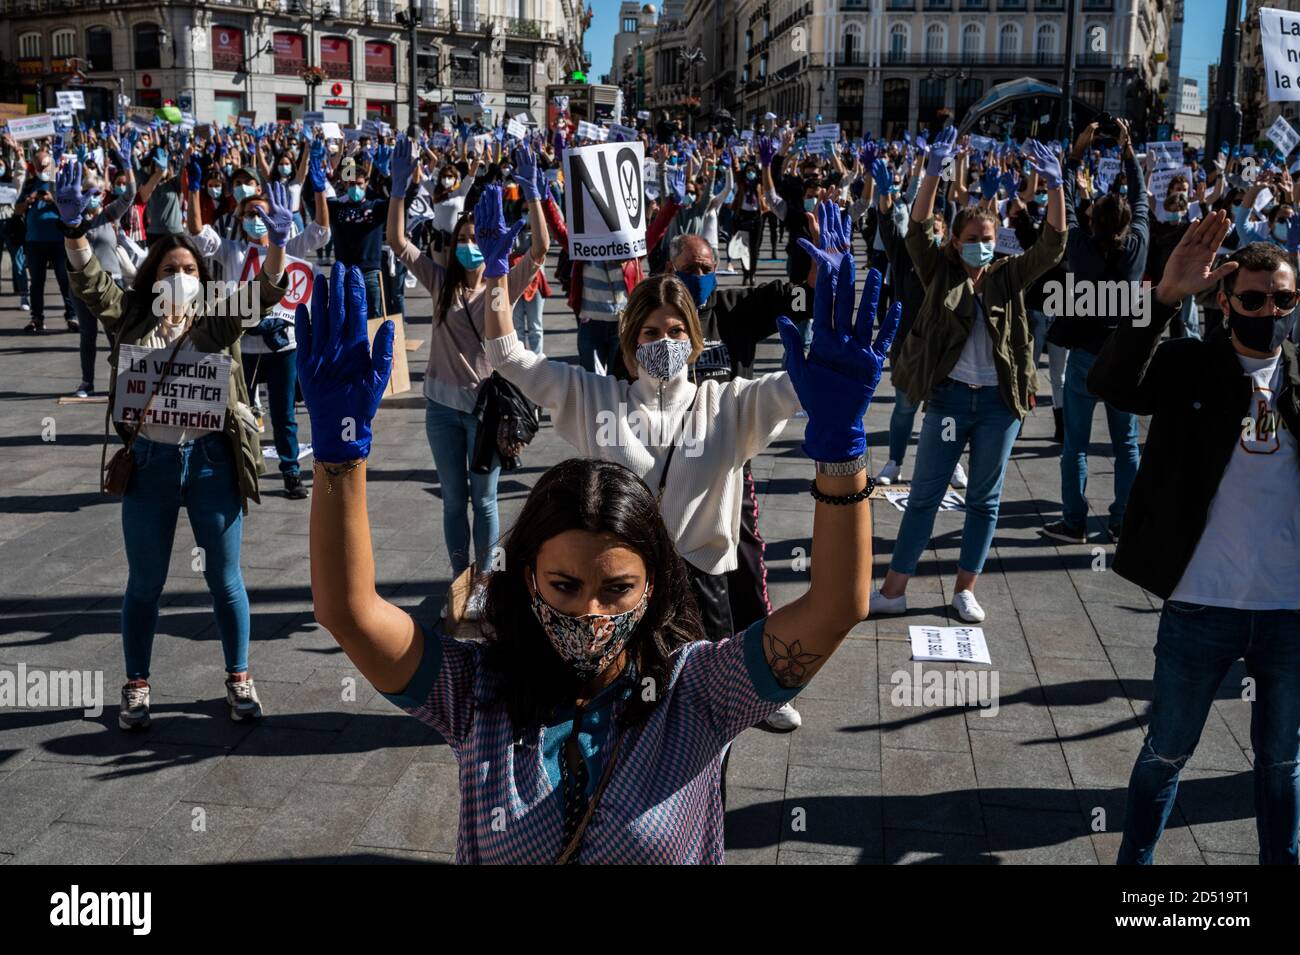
1094, 61
338, 71
901, 4
1011, 4
464, 74
381, 74
938, 4
226, 60
974, 5
289, 65
516, 82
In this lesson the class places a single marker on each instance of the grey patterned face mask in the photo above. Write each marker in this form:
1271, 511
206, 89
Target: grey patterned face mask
664, 357
592, 641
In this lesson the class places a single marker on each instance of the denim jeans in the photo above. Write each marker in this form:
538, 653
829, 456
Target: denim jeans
901, 420
199, 476
1041, 322
528, 322
374, 300
17, 260
280, 372
975, 415
1079, 406
451, 435
89, 341
1195, 647
597, 339
40, 256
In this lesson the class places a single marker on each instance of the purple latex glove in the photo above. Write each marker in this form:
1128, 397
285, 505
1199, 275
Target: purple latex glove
279, 220
868, 155
525, 173
493, 238
403, 164
766, 151
943, 148
1045, 164
676, 176
67, 194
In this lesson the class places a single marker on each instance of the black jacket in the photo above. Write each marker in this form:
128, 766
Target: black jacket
1197, 396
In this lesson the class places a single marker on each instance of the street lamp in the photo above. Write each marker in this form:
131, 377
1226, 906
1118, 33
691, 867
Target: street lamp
411, 19
692, 58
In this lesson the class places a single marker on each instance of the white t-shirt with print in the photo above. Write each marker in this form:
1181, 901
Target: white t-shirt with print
1248, 557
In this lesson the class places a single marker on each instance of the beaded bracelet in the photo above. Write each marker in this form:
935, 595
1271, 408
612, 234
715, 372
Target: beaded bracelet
335, 471
853, 498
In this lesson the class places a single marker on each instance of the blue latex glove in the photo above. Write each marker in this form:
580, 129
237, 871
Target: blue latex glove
543, 186
1009, 181
766, 151
1293, 233
868, 155
382, 156
1045, 164
494, 240
119, 160
279, 220
884, 178
195, 172
943, 147
341, 376
316, 173
989, 183
67, 194
160, 158
403, 164
907, 136
676, 177
525, 173
318, 153
837, 379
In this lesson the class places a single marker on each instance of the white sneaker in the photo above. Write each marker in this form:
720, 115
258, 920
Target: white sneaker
785, 719
958, 477
967, 607
889, 473
25, 307
880, 604
241, 697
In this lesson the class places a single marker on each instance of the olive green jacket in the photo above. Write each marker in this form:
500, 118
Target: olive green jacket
939, 331
130, 321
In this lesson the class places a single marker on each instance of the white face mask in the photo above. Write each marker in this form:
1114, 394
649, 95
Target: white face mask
176, 294
448, 182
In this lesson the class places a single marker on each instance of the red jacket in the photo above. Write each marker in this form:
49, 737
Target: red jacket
632, 273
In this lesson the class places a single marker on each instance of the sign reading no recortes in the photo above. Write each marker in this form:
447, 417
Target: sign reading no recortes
604, 203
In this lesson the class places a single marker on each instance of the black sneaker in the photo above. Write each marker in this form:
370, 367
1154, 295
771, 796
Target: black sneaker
1061, 531
293, 487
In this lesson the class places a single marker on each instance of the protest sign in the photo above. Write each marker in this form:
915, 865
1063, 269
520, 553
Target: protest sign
1161, 177
1166, 155
312, 120
828, 129
70, 99
643, 115
331, 131
982, 144
956, 644
192, 389
516, 129
8, 195
620, 133
1279, 34
10, 110
441, 140
1263, 199
1283, 136
604, 202
447, 109
22, 128
1007, 242
1108, 170
591, 131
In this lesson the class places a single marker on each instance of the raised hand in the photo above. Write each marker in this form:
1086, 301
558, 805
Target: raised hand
382, 156
342, 377
194, 170
1293, 233
67, 194
279, 220
1044, 162
525, 173
403, 164
494, 239
1190, 268
884, 178
676, 177
941, 149
868, 154
1009, 181
316, 166
989, 182
836, 380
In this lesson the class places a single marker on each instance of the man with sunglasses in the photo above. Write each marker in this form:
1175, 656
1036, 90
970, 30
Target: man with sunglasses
1213, 524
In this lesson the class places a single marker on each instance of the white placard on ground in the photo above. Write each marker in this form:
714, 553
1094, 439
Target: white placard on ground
949, 644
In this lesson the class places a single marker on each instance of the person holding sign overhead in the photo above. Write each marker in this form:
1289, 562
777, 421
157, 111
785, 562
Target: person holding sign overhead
212, 473
270, 347
969, 355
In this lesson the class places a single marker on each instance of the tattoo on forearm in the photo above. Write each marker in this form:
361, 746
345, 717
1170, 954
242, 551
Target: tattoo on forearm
789, 662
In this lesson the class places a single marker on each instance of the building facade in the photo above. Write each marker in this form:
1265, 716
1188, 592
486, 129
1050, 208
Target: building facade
887, 65
219, 58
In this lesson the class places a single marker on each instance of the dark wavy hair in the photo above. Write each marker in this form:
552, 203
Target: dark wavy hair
147, 273
603, 498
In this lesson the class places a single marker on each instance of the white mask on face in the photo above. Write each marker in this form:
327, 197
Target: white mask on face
176, 294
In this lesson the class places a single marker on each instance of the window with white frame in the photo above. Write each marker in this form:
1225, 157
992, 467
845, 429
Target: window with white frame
899, 40
1009, 39
29, 46
936, 40
61, 43
972, 39
1045, 44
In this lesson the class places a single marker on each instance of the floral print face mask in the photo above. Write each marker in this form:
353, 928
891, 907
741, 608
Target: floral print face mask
590, 641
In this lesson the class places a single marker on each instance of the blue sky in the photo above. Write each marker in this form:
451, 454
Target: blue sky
1202, 36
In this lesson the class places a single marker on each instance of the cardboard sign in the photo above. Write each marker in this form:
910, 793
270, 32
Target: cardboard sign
331, 131
1161, 178
71, 99
1007, 243
22, 128
604, 204
591, 131
1166, 155
1283, 136
622, 134
955, 644
516, 129
192, 389
1279, 34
